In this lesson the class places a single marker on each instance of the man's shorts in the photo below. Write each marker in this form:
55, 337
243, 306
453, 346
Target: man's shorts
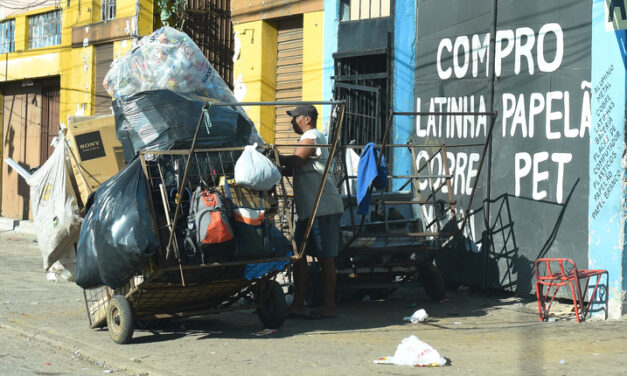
324, 237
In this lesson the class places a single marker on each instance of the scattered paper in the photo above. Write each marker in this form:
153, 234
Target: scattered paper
264, 332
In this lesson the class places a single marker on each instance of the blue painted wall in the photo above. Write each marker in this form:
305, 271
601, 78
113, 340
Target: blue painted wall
331, 20
606, 212
403, 87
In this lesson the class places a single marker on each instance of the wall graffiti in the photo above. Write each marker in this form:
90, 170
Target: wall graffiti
607, 136
533, 67
548, 115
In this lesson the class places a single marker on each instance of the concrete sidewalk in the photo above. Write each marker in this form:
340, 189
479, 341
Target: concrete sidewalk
17, 225
479, 334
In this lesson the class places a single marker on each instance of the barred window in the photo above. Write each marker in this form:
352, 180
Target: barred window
44, 30
107, 10
363, 9
7, 36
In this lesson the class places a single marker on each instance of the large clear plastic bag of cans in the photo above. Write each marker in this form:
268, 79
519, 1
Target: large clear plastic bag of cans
167, 59
118, 234
56, 212
159, 89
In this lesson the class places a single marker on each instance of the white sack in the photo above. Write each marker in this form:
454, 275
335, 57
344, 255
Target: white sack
414, 352
54, 206
253, 170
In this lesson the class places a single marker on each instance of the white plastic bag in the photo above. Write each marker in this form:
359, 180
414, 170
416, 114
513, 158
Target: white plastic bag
414, 352
253, 170
418, 316
54, 206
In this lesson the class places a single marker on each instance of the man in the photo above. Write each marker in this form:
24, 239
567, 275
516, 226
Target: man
308, 165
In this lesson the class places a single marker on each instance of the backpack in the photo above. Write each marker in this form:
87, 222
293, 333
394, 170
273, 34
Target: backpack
209, 232
256, 237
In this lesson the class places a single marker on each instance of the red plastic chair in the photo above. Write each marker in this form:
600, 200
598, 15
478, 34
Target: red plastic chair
553, 273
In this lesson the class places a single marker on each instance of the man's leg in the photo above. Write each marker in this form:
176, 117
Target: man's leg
299, 269
329, 226
328, 274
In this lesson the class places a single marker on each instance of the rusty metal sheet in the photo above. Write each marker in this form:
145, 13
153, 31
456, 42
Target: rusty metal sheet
100, 32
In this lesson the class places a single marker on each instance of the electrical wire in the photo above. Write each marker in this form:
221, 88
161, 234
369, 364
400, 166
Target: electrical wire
19, 4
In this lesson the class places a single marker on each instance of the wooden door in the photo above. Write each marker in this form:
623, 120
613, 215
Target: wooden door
50, 96
104, 58
21, 141
289, 77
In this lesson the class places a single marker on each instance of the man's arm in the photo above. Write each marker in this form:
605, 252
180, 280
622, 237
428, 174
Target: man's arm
300, 156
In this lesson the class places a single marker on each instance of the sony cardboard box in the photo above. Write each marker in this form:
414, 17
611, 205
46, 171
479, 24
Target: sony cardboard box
96, 153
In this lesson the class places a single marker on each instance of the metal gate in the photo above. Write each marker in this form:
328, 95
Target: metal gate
208, 23
362, 81
363, 113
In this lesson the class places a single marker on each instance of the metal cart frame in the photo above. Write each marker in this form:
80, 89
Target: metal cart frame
166, 287
368, 265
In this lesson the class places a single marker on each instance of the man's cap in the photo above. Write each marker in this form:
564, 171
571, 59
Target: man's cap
304, 109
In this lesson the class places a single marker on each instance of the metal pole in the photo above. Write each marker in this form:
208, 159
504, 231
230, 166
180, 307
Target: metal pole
276, 103
184, 181
474, 185
445, 113
486, 222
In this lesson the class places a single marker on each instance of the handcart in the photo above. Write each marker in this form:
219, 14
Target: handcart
176, 282
396, 242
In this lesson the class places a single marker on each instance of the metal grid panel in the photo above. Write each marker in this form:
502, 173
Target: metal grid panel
362, 82
96, 300
209, 169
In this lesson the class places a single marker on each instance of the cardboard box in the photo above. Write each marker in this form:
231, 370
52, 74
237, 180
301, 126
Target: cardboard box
96, 153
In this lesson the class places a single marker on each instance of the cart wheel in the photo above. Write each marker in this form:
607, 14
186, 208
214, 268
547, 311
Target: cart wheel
433, 282
274, 311
120, 319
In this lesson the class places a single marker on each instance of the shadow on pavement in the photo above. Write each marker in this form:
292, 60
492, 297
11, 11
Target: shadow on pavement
353, 316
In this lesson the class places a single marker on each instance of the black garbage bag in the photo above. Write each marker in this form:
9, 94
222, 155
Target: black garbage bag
163, 120
87, 274
118, 233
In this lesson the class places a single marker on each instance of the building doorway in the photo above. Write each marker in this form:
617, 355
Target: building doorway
30, 120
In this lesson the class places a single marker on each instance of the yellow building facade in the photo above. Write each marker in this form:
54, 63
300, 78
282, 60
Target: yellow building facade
278, 58
53, 57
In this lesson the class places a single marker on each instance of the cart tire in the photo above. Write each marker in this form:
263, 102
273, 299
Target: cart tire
274, 311
120, 319
433, 282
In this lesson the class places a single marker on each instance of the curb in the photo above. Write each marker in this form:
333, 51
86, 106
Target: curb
88, 352
17, 225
